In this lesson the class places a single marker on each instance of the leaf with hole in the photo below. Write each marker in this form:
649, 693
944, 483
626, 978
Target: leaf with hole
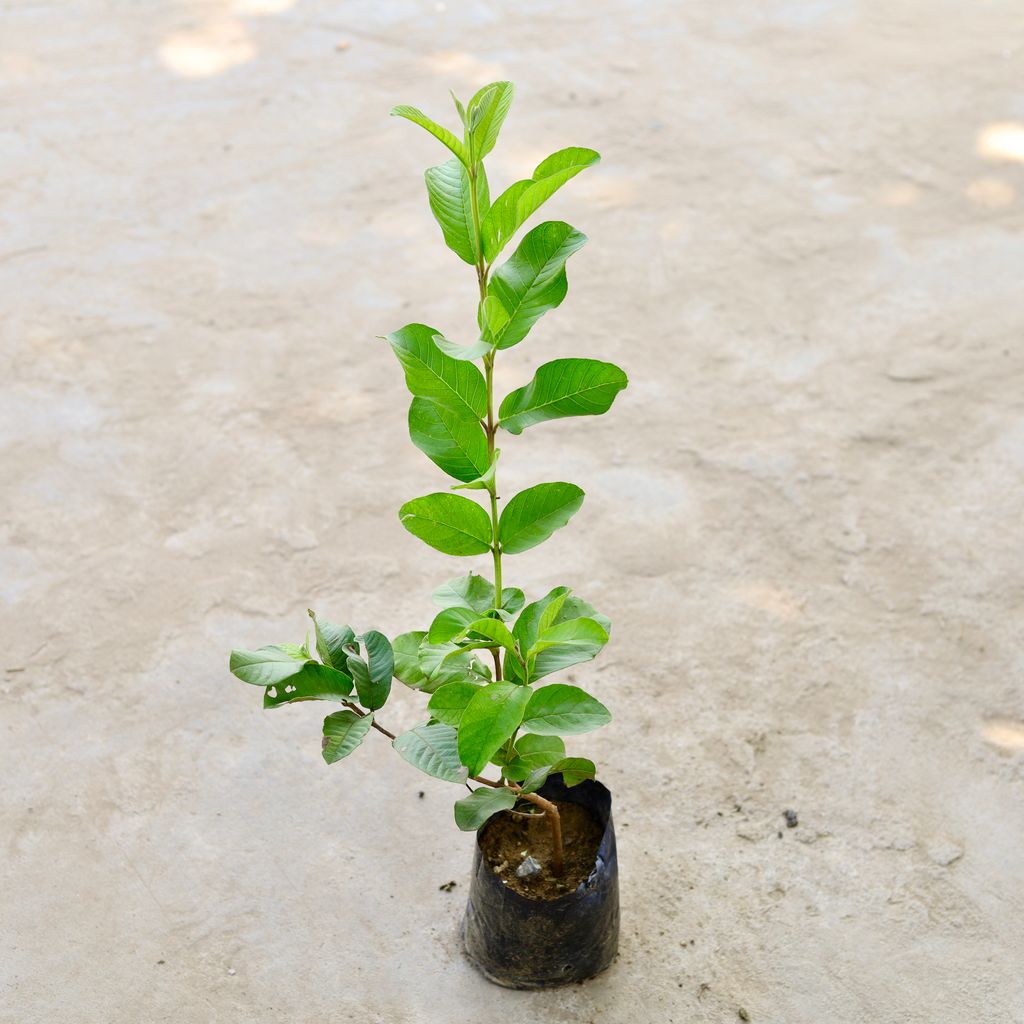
563, 387
343, 732
312, 682
534, 514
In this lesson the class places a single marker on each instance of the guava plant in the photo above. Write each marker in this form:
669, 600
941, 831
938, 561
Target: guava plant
486, 660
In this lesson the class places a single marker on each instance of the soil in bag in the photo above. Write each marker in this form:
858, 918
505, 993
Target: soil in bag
510, 839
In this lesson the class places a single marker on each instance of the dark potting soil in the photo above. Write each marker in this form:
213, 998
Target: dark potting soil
509, 838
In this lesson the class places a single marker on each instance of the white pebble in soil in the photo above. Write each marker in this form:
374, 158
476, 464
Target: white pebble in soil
528, 868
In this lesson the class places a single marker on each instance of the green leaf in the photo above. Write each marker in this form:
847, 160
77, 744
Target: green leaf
533, 280
449, 523
455, 443
550, 615
266, 666
493, 318
469, 591
331, 640
534, 514
472, 811
429, 373
490, 718
313, 682
440, 133
563, 387
432, 749
473, 591
485, 481
463, 352
460, 108
373, 676
540, 749
406, 650
519, 201
575, 770
493, 629
448, 624
565, 644
560, 709
486, 113
448, 662
448, 703
527, 627
380, 657
576, 608
537, 777
448, 188
299, 652
533, 752
343, 732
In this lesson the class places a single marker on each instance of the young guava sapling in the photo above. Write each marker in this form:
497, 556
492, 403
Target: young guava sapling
487, 662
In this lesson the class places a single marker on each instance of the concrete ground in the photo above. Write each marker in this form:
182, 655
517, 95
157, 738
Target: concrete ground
804, 516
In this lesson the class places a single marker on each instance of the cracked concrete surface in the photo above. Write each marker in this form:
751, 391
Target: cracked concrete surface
804, 516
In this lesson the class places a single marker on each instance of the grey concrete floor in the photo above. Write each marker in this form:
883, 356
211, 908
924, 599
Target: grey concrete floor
804, 516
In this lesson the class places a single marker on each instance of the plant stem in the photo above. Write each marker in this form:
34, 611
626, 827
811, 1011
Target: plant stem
490, 427
362, 714
555, 822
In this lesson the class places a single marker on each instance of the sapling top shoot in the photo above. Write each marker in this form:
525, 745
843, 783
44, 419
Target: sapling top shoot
495, 718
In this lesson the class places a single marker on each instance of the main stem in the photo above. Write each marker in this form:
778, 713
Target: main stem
490, 428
